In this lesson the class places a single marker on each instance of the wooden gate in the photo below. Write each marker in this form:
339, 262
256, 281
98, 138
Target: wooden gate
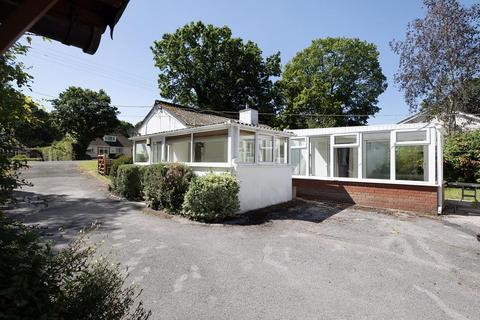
103, 164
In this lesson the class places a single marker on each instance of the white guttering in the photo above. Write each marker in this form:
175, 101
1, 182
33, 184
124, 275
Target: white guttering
358, 129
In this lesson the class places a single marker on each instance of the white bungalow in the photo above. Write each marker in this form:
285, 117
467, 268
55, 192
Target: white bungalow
382, 166
255, 153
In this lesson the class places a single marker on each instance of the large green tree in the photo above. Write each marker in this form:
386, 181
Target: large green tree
330, 83
38, 132
439, 58
204, 66
84, 114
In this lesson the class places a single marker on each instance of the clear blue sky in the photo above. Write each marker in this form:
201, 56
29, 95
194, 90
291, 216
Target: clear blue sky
123, 67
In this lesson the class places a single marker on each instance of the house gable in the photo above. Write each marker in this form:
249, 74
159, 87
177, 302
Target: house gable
159, 120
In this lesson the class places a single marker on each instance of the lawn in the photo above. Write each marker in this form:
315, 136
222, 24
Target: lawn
456, 194
90, 166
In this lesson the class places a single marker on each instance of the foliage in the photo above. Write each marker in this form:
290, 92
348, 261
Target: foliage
439, 57
204, 66
59, 150
39, 283
39, 131
212, 197
14, 108
165, 185
124, 127
123, 159
333, 76
22, 157
462, 157
128, 181
85, 115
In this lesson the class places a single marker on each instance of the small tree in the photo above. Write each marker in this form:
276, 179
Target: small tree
84, 114
462, 157
334, 76
438, 59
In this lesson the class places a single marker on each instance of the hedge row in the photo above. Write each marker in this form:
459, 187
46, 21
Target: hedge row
59, 150
175, 188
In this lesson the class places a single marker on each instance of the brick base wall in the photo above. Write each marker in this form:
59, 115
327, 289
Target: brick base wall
420, 199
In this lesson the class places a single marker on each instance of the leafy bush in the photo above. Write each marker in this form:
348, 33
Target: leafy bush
462, 157
74, 283
128, 181
123, 159
59, 150
212, 197
165, 185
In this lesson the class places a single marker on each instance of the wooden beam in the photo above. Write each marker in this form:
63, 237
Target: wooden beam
21, 20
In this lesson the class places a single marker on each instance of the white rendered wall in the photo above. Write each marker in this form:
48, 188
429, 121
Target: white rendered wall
263, 185
160, 121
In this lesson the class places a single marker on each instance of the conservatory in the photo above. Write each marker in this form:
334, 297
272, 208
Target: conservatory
382, 166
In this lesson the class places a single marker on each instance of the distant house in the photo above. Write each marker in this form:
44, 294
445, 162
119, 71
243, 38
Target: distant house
111, 144
463, 121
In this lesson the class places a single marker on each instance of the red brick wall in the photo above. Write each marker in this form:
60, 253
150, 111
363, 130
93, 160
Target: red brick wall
421, 199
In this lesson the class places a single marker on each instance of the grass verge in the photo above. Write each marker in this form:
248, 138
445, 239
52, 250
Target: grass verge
456, 194
90, 167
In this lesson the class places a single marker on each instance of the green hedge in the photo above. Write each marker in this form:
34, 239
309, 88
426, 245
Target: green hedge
128, 181
123, 159
462, 157
165, 185
174, 188
59, 150
22, 157
212, 197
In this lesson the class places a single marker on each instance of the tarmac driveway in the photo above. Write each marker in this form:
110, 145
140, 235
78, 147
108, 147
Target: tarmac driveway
303, 261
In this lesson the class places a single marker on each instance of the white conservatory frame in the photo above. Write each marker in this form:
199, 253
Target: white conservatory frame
433, 141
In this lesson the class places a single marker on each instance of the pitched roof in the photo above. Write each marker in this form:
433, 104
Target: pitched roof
193, 117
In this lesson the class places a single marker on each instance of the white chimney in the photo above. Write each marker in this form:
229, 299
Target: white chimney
249, 116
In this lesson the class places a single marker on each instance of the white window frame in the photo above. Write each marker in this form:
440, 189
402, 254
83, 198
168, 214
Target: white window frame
260, 148
346, 145
109, 138
414, 142
298, 147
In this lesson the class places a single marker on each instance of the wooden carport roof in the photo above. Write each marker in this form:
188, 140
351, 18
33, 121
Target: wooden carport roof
79, 23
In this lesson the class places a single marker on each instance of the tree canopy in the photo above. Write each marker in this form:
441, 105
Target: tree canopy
333, 76
204, 66
84, 114
439, 57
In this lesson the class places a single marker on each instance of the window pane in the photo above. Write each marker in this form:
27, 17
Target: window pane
320, 156
346, 162
141, 152
157, 152
266, 149
346, 139
178, 149
411, 163
299, 161
281, 150
298, 142
376, 155
411, 136
210, 149
246, 147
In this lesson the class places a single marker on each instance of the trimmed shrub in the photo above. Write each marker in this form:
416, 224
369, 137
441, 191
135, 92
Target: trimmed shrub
212, 197
128, 181
165, 185
123, 159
